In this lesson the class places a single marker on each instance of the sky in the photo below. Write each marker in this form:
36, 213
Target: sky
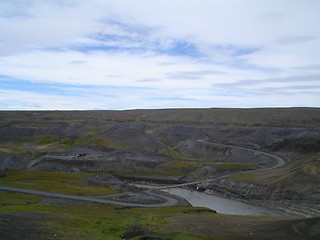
152, 54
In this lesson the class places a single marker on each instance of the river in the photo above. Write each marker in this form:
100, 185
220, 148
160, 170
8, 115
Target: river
221, 204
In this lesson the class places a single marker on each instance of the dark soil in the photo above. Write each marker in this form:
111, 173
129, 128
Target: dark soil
227, 227
162, 146
26, 226
141, 232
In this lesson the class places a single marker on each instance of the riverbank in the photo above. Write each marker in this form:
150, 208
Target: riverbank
224, 205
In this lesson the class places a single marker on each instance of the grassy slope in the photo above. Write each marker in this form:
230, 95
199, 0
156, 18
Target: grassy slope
23, 218
67, 183
91, 221
297, 174
49, 143
301, 176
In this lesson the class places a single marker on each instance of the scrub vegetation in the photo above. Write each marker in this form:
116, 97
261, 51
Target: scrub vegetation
231, 166
44, 143
94, 221
67, 183
160, 146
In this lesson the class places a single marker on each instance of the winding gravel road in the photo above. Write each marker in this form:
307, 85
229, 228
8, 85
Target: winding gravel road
279, 162
169, 201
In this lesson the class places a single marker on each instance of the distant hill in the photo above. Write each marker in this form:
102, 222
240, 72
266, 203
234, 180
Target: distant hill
275, 117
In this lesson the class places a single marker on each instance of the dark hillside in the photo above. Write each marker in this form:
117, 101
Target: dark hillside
180, 144
284, 117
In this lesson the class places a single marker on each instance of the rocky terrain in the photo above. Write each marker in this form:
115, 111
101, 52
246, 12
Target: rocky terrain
74, 174
173, 146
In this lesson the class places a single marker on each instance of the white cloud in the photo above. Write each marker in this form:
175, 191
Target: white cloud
169, 49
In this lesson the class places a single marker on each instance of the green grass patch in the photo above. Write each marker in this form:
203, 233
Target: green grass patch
169, 153
54, 143
93, 130
94, 221
147, 172
46, 139
234, 166
10, 149
99, 141
67, 183
78, 141
184, 164
168, 168
175, 168
230, 165
87, 141
164, 141
24, 139
97, 222
9, 199
68, 142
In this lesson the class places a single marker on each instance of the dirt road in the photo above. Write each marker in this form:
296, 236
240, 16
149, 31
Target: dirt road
168, 200
279, 162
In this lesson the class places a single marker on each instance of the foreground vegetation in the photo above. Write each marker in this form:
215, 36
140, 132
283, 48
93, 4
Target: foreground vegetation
66, 183
88, 221
159, 144
24, 216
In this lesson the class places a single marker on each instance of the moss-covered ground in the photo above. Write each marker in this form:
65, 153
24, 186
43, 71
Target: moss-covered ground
67, 183
45, 143
21, 217
94, 221
24, 216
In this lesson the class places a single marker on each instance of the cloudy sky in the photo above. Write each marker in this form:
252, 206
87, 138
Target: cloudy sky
129, 54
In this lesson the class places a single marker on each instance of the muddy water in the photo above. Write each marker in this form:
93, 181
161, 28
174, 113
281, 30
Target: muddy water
221, 204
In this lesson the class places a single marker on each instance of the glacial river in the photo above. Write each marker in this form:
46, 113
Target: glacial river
221, 204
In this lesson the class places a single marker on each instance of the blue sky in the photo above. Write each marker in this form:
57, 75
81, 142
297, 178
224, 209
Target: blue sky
135, 54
